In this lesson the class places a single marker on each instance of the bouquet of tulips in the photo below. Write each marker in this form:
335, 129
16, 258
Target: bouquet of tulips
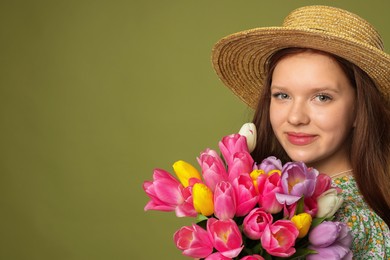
251, 211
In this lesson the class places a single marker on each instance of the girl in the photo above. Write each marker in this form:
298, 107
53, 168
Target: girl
320, 87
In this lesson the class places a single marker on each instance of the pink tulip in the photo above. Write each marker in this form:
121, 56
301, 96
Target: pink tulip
217, 256
213, 169
242, 163
323, 184
278, 239
268, 187
224, 201
231, 144
310, 206
289, 210
167, 194
253, 257
193, 181
194, 241
255, 223
226, 236
246, 195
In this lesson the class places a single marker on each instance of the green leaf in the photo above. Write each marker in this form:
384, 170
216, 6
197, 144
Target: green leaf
202, 221
267, 256
316, 222
300, 206
200, 218
257, 249
301, 253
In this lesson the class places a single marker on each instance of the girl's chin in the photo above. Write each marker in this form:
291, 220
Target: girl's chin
308, 160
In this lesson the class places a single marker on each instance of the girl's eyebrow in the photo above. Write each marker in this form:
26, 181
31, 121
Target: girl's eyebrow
278, 87
320, 89
333, 89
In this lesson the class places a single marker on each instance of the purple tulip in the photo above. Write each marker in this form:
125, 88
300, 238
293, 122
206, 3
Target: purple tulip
269, 164
297, 181
332, 252
331, 240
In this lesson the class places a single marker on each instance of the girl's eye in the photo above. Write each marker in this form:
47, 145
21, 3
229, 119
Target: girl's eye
280, 95
323, 98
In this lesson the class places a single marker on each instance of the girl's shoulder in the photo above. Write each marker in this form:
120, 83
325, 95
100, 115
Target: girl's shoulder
371, 235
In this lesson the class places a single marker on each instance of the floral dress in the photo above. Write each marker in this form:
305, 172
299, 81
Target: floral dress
371, 235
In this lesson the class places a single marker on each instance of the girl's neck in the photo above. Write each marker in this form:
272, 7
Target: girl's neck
341, 174
335, 169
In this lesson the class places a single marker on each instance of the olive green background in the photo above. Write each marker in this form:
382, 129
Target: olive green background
96, 94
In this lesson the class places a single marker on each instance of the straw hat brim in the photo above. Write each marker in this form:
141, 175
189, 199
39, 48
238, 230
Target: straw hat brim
239, 59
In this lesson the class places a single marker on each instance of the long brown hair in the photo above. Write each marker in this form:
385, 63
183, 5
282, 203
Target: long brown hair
370, 140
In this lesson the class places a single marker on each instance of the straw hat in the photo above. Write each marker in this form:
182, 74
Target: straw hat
239, 59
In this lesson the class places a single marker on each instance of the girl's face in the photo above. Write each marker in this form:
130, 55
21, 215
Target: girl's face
312, 110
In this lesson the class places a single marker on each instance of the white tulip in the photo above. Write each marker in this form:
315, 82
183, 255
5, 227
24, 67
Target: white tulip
328, 203
249, 131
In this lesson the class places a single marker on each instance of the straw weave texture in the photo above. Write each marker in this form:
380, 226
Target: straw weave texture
239, 59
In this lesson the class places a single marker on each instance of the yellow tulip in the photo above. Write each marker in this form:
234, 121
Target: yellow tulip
302, 222
254, 174
202, 197
185, 171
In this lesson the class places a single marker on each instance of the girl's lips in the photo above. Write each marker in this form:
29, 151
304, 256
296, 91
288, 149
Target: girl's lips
300, 138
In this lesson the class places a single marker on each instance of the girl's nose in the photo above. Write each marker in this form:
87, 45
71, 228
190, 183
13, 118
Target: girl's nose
298, 114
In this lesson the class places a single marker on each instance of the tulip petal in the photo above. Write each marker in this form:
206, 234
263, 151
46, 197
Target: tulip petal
286, 199
303, 222
203, 199
213, 168
270, 163
249, 131
217, 256
246, 195
332, 252
328, 203
317, 237
185, 171
224, 201
231, 144
278, 239
226, 236
194, 241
